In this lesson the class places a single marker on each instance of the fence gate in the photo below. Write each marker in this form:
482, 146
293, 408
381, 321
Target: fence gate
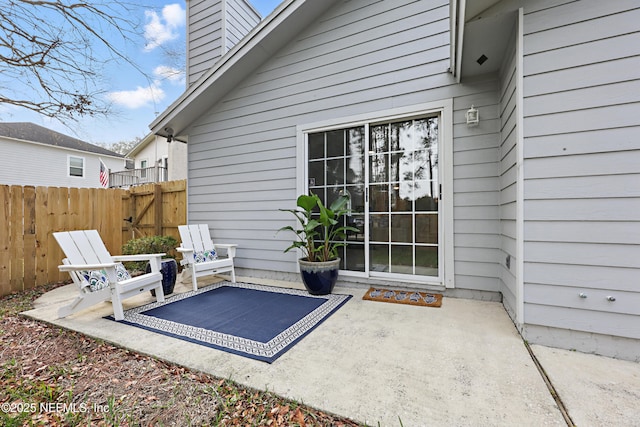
154, 210
29, 255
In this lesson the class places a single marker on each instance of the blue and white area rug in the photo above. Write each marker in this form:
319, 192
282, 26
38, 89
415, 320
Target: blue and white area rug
256, 321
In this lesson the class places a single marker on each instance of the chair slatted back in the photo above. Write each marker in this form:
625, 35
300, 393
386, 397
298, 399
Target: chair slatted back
196, 236
83, 247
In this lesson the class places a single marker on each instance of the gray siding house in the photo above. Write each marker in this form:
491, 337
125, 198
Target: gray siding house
34, 155
214, 27
535, 205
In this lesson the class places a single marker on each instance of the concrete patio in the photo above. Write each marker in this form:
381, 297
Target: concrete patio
463, 364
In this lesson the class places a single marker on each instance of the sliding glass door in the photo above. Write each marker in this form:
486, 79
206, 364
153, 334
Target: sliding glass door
390, 171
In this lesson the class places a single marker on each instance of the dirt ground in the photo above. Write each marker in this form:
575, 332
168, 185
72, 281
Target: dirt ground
51, 376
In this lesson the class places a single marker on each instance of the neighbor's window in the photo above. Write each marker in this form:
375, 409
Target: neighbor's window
76, 166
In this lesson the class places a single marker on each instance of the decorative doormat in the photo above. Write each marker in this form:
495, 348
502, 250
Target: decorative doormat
425, 299
255, 321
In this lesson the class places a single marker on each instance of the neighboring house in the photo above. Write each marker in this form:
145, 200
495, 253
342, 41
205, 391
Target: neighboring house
153, 159
535, 205
37, 156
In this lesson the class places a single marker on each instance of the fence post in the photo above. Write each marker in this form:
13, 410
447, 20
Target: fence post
17, 242
157, 196
5, 241
29, 238
42, 235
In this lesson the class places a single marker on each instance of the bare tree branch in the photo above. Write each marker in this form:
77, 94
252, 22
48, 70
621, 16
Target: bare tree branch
53, 53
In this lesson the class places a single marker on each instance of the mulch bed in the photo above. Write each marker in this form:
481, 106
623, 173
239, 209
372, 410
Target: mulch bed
65, 378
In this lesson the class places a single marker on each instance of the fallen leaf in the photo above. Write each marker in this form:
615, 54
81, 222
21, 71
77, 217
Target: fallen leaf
298, 417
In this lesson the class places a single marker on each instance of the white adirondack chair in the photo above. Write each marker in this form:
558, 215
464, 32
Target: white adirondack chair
200, 254
100, 276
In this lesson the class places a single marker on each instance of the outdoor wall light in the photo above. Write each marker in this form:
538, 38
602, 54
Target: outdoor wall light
473, 117
169, 132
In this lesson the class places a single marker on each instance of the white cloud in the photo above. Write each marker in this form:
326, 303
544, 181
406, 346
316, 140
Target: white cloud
139, 97
174, 15
160, 30
172, 74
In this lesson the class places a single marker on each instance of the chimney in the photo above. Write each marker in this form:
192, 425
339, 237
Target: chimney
213, 28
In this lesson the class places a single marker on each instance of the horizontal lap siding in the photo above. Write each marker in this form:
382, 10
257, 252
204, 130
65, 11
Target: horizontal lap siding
359, 57
204, 36
476, 182
25, 163
214, 27
582, 179
241, 19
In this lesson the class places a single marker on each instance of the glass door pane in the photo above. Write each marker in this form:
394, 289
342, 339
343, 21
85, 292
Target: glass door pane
403, 197
336, 167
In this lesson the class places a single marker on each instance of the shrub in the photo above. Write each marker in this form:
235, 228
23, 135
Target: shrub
148, 245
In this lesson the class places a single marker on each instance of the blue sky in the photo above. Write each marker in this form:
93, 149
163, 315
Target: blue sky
136, 99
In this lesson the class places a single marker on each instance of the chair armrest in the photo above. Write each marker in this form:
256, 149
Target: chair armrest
231, 248
79, 267
139, 257
187, 255
154, 259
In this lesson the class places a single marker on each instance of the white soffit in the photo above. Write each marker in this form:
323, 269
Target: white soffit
488, 28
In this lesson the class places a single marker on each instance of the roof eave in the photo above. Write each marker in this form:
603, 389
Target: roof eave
139, 146
254, 49
60, 147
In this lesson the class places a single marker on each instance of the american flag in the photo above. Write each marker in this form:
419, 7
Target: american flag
104, 175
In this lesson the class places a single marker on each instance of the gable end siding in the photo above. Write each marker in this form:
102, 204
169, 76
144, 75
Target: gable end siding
213, 28
241, 19
204, 36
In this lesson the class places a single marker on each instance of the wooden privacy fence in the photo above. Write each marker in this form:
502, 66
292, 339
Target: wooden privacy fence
29, 254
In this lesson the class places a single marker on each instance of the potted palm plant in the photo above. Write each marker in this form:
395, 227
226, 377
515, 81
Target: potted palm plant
319, 235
